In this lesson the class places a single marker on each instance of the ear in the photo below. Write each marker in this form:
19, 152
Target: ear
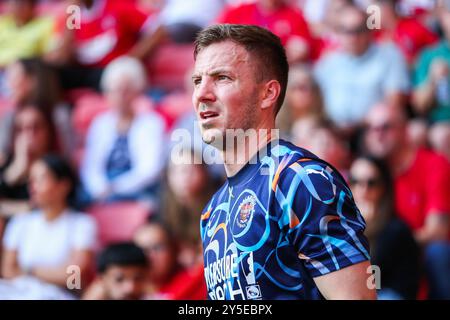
271, 92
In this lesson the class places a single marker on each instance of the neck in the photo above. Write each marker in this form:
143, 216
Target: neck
238, 154
53, 211
402, 159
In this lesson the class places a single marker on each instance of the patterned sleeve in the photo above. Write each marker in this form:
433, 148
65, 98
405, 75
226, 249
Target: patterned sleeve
320, 218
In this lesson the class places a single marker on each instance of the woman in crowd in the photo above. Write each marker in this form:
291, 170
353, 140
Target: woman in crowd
30, 81
304, 102
169, 280
124, 148
189, 186
33, 137
41, 245
393, 248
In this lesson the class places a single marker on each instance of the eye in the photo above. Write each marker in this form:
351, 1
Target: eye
223, 77
196, 81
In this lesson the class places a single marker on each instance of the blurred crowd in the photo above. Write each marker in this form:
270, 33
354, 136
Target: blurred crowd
92, 91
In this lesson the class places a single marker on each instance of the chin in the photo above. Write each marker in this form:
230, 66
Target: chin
211, 136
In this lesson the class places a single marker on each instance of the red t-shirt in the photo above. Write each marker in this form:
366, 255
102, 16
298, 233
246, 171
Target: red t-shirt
185, 285
108, 32
423, 188
410, 36
284, 22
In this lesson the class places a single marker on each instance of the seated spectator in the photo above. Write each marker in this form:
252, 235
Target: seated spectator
417, 130
189, 188
180, 19
393, 248
24, 34
283, 19
122, 269
439, 137
169, 280
30, 81
303, 98
124, 148
40, 246
421, 184
107, 30
431, 95
409, 34
354, 78
322, 139
33, 137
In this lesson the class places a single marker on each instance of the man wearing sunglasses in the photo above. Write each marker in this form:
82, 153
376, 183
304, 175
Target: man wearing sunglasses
360, 72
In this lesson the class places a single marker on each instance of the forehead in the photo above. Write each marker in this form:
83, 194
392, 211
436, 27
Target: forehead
222, 55
380, 114
350, 17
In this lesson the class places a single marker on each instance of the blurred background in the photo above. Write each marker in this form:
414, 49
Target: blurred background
91, 91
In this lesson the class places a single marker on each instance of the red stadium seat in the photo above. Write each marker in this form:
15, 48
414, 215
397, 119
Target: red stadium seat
167, 67
118, 221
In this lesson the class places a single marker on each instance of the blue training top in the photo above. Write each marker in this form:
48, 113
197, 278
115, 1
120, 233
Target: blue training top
283, 219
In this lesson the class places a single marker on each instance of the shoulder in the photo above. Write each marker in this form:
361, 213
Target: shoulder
104, 119
431, 159
432, 51
300, 166
25, 219
80, 219
150, 117
388, 50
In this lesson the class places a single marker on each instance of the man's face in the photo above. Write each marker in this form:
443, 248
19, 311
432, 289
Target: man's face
226, 94
125, 282
385, 132
353, 33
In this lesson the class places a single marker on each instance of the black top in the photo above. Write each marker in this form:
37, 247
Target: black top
12, 192
397, 254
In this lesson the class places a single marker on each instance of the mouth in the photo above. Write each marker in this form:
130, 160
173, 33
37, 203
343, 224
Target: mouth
206, 115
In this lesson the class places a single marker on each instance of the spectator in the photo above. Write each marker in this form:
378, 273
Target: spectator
30, 81
439, 137
40, 245
123, 273
431, 95
303, 98
421, 184
281, 18
181, 19
393, 248
107, 30
409, 34
356, 77
24, 34
326, 142
124, 148
33, 137
168, 278
189, 187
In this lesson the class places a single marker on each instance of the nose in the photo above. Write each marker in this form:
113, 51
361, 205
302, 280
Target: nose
204, 92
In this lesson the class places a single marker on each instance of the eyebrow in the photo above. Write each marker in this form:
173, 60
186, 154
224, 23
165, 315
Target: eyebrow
213, 73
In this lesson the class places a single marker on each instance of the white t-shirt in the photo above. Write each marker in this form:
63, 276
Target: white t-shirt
42, 243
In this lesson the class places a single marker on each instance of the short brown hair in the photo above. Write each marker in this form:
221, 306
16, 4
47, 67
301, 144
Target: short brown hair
259, 42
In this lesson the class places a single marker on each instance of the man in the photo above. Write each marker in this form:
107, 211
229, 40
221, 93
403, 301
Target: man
280, 17
284, 225
123, 270
408, 33
354, 78
432, 74
421, 184
24, 33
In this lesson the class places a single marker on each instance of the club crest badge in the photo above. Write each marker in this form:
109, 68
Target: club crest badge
246, 209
